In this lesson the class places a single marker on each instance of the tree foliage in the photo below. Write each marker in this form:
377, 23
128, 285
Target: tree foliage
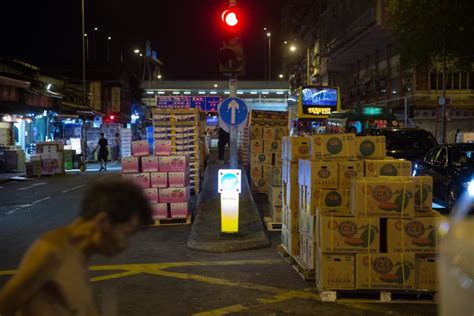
427, 30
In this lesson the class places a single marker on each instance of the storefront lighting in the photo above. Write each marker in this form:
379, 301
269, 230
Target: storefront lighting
253, 92
187, 92
175, 92
150, 92
213, 92
265, 92
7, 118
161, 92
202, 92
226, 92
280, 92
240, 92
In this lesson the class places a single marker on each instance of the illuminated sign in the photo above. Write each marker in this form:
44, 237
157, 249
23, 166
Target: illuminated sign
315, 110
229, 186
372, 110
319, 96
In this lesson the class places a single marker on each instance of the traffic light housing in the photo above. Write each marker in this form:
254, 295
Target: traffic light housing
231, 55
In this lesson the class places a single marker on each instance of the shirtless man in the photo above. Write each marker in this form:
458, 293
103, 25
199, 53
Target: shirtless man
53, 277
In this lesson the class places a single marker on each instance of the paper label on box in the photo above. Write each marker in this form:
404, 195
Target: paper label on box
149, 164
371, 147
385, 271
426, 272
322, 175
159, 179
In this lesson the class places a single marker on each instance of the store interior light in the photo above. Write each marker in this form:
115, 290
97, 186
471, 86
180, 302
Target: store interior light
280, 92
213, 92
227, 92
202, 92
253, 92
187, 92
265, 92
150, 92
240, 92
161, 92
175, 92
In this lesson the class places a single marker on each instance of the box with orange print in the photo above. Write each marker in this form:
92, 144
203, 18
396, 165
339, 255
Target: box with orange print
372, 147
388, 167
417, 235
335, 199
343, 234
382, 197
387, 271
295, 148
330, 146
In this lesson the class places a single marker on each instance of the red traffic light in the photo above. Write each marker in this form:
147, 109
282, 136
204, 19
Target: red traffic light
230, 18
112, 117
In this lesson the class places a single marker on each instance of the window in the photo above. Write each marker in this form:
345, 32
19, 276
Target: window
441, 157
431, 155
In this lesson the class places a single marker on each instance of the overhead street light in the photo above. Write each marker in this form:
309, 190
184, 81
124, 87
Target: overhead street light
136, 51
293, 48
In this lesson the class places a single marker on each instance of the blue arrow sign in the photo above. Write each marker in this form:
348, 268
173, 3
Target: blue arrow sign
233, 111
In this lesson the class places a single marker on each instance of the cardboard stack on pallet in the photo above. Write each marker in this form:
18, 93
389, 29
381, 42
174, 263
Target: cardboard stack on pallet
163, 177
51, 155
266, 132
293, 149
364, 222
177, 131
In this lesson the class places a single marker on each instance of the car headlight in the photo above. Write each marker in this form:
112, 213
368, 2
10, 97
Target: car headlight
469, 186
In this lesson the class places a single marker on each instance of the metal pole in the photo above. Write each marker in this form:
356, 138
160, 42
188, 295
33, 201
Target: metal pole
443, 106
84, 99
406, 112
108, 50
270, 58
307, 66
233, 130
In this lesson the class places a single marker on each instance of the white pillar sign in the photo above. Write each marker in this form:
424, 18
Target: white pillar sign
229, 186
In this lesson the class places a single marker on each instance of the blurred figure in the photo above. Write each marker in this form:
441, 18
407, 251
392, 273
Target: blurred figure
223, 140
53, 276
103, 153
116, 149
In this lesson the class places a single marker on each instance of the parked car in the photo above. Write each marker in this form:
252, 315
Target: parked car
452, 169
407, 143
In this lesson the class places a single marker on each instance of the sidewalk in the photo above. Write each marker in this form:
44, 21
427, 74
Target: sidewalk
205, 234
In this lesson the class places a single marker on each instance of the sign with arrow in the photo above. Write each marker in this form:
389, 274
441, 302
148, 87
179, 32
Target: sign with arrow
233, 111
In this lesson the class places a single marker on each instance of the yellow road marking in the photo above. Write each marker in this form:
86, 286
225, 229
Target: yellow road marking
223, 311
114, 276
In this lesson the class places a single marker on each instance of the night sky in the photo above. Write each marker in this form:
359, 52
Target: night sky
185, 33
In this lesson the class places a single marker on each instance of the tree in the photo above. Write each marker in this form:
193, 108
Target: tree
434, 32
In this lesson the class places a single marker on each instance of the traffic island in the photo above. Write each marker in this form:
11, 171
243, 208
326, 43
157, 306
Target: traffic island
206, 233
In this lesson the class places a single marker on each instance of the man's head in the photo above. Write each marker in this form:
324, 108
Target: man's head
117, 209
101, 135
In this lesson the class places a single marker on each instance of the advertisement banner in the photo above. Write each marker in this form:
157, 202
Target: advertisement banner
95, 95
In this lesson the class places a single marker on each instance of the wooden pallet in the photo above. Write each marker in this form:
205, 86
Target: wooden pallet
378, 296
285, 254
172, 221
271, 225
303, 270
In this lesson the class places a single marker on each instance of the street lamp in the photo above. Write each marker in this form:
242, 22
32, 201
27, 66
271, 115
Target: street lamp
292, 48
87, 46
280, 76
109, 38
159, 76
136, 51
215, 85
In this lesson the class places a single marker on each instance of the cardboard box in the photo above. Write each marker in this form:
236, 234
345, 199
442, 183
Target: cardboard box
335, 271
261, 158
272, 146
256, 132
151, 194
372, 147
130, 164
160, 210
307, 224
423, 198
256, 146
348, 234
330, 146
388, 167
426, 267
269, 133
149, 164
173, 163
276, 198
159, 179
295, 148
178, 179
289, 171
386, 271
291, 195
173, 195
291, 241
384, 197
140, 179
290, 219
334, 199
303, 167
275, 176
277, 161
140, 148
347, 170
307, 251
179, 210
321, 175
162, 147
415, 235
276, 213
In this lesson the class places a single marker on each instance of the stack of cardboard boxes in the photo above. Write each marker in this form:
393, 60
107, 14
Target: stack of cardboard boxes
177, 131
164, 179
364, 222
125, 142
50, 155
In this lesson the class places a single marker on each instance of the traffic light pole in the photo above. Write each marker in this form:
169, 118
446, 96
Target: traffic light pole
233, 130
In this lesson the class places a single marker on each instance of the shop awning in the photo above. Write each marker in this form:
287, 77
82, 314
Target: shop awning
14, 82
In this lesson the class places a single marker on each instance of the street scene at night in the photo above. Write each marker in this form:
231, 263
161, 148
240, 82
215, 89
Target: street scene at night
227, 157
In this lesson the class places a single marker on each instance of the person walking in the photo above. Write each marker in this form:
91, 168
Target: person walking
53, 276
103, 153
223, 140
116, 147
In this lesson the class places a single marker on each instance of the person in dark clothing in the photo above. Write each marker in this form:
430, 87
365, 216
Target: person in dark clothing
103, 152
223, 140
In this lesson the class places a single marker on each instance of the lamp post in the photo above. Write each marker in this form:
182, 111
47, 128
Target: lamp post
269, 35
108, 48
93, 44
83, 35
137, 52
